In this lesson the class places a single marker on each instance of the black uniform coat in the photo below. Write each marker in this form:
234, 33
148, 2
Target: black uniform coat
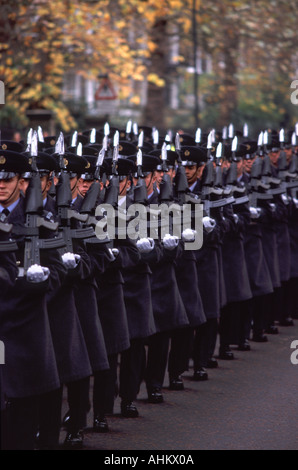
269, 241
8, 274
234, 262
69, 342
137, 295
30, 362
208, 269
188, 284
293, 232
85, 291
258, 272
168, 308
283, 238
110, 298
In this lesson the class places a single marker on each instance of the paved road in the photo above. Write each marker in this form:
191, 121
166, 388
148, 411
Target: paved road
250, 403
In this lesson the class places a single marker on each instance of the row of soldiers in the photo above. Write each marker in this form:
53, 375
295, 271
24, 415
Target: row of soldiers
121, 309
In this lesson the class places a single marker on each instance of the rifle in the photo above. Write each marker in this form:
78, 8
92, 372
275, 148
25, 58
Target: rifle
34, 219
8, 244
181, 184
66, 215
166, 189
239, 193
258, 189
140, 190
112, 192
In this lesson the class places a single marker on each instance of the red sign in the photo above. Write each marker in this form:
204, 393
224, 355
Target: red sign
105, 90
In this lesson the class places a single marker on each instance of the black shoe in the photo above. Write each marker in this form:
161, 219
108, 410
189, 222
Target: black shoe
100, 424
66, 420
226, 354
272, 330
155, 396
244, 346
260, 338
200, 375
176, 384
212, 363
287, 322
129, 410
73, 441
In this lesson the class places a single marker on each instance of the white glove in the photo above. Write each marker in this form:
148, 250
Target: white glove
37, 273
209, 224
114, 252
272, 206
236, 218
70, 260
145, 245
188, 235
295, 200
170, 241
255, 212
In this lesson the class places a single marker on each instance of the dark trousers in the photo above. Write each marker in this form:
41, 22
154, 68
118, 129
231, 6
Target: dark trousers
180, 351
79, 404
50, 420
105, 388
204, 343
131, 368
235, 323
22, 418
292, 297
157, 358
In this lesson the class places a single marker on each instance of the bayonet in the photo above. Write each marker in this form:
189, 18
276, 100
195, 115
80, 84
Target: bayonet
92, 138
74, 139
40, 134
198, 136
141, 140
245, 130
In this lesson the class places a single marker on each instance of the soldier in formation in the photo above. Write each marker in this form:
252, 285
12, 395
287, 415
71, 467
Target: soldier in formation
97, 283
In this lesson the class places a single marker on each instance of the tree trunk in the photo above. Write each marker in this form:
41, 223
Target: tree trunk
154, 112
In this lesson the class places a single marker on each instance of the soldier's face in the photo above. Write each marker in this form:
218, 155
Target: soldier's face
159, 175
74, 186
45, 183
171, 173
83, 186
239, 167
150, 180
248, 164
124, 185
10, 190
288, 153
191, 174
274, 157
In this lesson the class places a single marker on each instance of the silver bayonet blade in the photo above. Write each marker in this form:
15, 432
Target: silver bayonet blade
139, 158
234, 144
177, 142
106, 129
164, 155
141, 139
74, 139
219, 150
93, 136
34, 145
128, 127
40, 134
80, 149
